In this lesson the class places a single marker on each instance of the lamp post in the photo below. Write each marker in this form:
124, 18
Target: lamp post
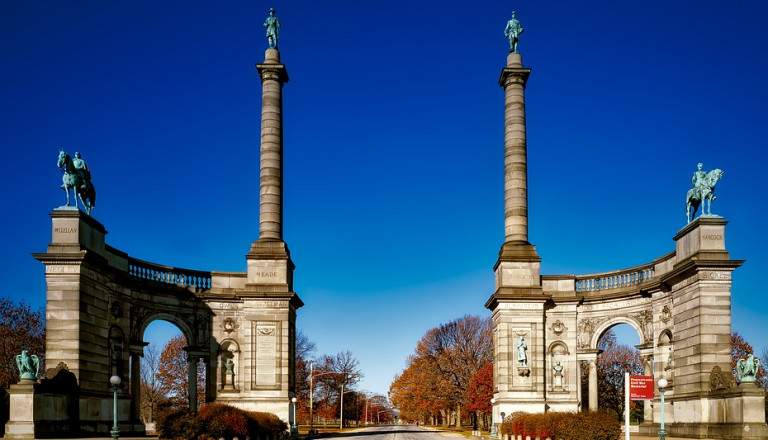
294, 427
493, 419
115, 381
662, 385
311, 415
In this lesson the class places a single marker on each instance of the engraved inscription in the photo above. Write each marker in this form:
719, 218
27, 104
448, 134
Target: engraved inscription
65, 230
712, 237
716, 275
267, 274
266, 354
62, 269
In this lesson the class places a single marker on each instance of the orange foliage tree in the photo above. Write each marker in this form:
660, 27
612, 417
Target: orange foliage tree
480, 393
173, 373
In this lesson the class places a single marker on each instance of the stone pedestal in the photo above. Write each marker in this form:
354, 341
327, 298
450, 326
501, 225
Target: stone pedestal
21, 420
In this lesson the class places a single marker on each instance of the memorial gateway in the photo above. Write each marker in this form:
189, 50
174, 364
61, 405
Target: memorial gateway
546, 328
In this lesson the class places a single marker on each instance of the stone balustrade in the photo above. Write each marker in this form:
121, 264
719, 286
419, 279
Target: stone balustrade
169, 275
624, 278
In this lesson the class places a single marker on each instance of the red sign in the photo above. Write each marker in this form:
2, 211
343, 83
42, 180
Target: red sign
640, 387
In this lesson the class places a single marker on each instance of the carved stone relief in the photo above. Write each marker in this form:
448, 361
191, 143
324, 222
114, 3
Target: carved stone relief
558, 327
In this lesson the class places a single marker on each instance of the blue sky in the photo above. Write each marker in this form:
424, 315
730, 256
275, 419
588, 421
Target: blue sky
393, 144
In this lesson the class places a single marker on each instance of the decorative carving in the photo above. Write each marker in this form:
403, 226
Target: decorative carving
52, 372
115, 310
645, 318
666, 314
138, 315
521, 352
265, 331
718, 380
558, 327
586, 327
229, 325
524, 372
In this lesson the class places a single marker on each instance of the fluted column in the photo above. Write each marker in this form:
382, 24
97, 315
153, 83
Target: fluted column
513, 79
593, 384
192, 384
273, 76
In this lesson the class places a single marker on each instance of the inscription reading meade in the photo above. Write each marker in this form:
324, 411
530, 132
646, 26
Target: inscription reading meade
267, 274
65, 230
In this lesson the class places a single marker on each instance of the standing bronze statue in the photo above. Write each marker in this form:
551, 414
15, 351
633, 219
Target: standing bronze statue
77, 177
703, 190
513, 31
273, 27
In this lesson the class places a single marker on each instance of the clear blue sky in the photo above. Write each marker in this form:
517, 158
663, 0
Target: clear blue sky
393, 144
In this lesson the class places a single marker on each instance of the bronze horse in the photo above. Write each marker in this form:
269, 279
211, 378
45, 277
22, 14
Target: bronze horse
705, 191
75, 179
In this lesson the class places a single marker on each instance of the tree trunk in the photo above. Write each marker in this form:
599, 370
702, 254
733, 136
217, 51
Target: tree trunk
458, 416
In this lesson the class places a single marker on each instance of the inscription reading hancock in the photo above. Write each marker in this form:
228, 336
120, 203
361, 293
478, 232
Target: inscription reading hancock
712, 237
65, 230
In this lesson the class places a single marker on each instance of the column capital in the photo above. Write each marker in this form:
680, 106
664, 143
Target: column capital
514, 75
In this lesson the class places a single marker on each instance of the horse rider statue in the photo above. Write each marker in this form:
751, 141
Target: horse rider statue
77, 177
703, 190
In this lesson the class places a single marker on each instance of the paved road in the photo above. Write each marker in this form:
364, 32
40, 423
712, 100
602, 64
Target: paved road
394, 432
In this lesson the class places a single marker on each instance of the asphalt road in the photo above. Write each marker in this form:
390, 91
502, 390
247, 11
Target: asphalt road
392, 432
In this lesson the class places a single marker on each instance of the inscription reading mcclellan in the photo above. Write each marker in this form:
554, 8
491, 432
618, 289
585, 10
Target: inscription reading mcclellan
65, 230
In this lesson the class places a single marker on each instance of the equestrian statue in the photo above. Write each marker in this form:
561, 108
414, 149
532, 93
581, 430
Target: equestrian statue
703, 190
78, 178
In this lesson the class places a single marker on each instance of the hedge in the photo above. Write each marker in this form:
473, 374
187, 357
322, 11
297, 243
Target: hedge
562, 426
215, 421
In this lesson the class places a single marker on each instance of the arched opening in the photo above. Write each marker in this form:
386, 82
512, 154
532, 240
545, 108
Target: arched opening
603, 377
165, 373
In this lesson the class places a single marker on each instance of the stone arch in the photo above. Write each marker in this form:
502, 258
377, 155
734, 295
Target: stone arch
178, 321
605, 325
666, 348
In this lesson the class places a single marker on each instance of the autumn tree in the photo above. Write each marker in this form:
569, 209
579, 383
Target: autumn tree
152, 390
173, 373
741, 349
457, 350
613, 362
335, 375
480, 393
437, 377
305, 349
20, 329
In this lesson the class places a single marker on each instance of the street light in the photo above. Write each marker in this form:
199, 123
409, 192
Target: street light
294, 427
662, 385
341, 411
493, 419
115, 381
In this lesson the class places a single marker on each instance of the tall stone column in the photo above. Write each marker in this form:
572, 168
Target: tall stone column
192, 371
136, 384
513, 79
273, 76
593, 384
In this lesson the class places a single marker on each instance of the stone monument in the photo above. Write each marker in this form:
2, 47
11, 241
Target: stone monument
546, 327
100, 300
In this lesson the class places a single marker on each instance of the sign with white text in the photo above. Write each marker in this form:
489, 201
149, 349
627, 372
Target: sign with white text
640, 387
